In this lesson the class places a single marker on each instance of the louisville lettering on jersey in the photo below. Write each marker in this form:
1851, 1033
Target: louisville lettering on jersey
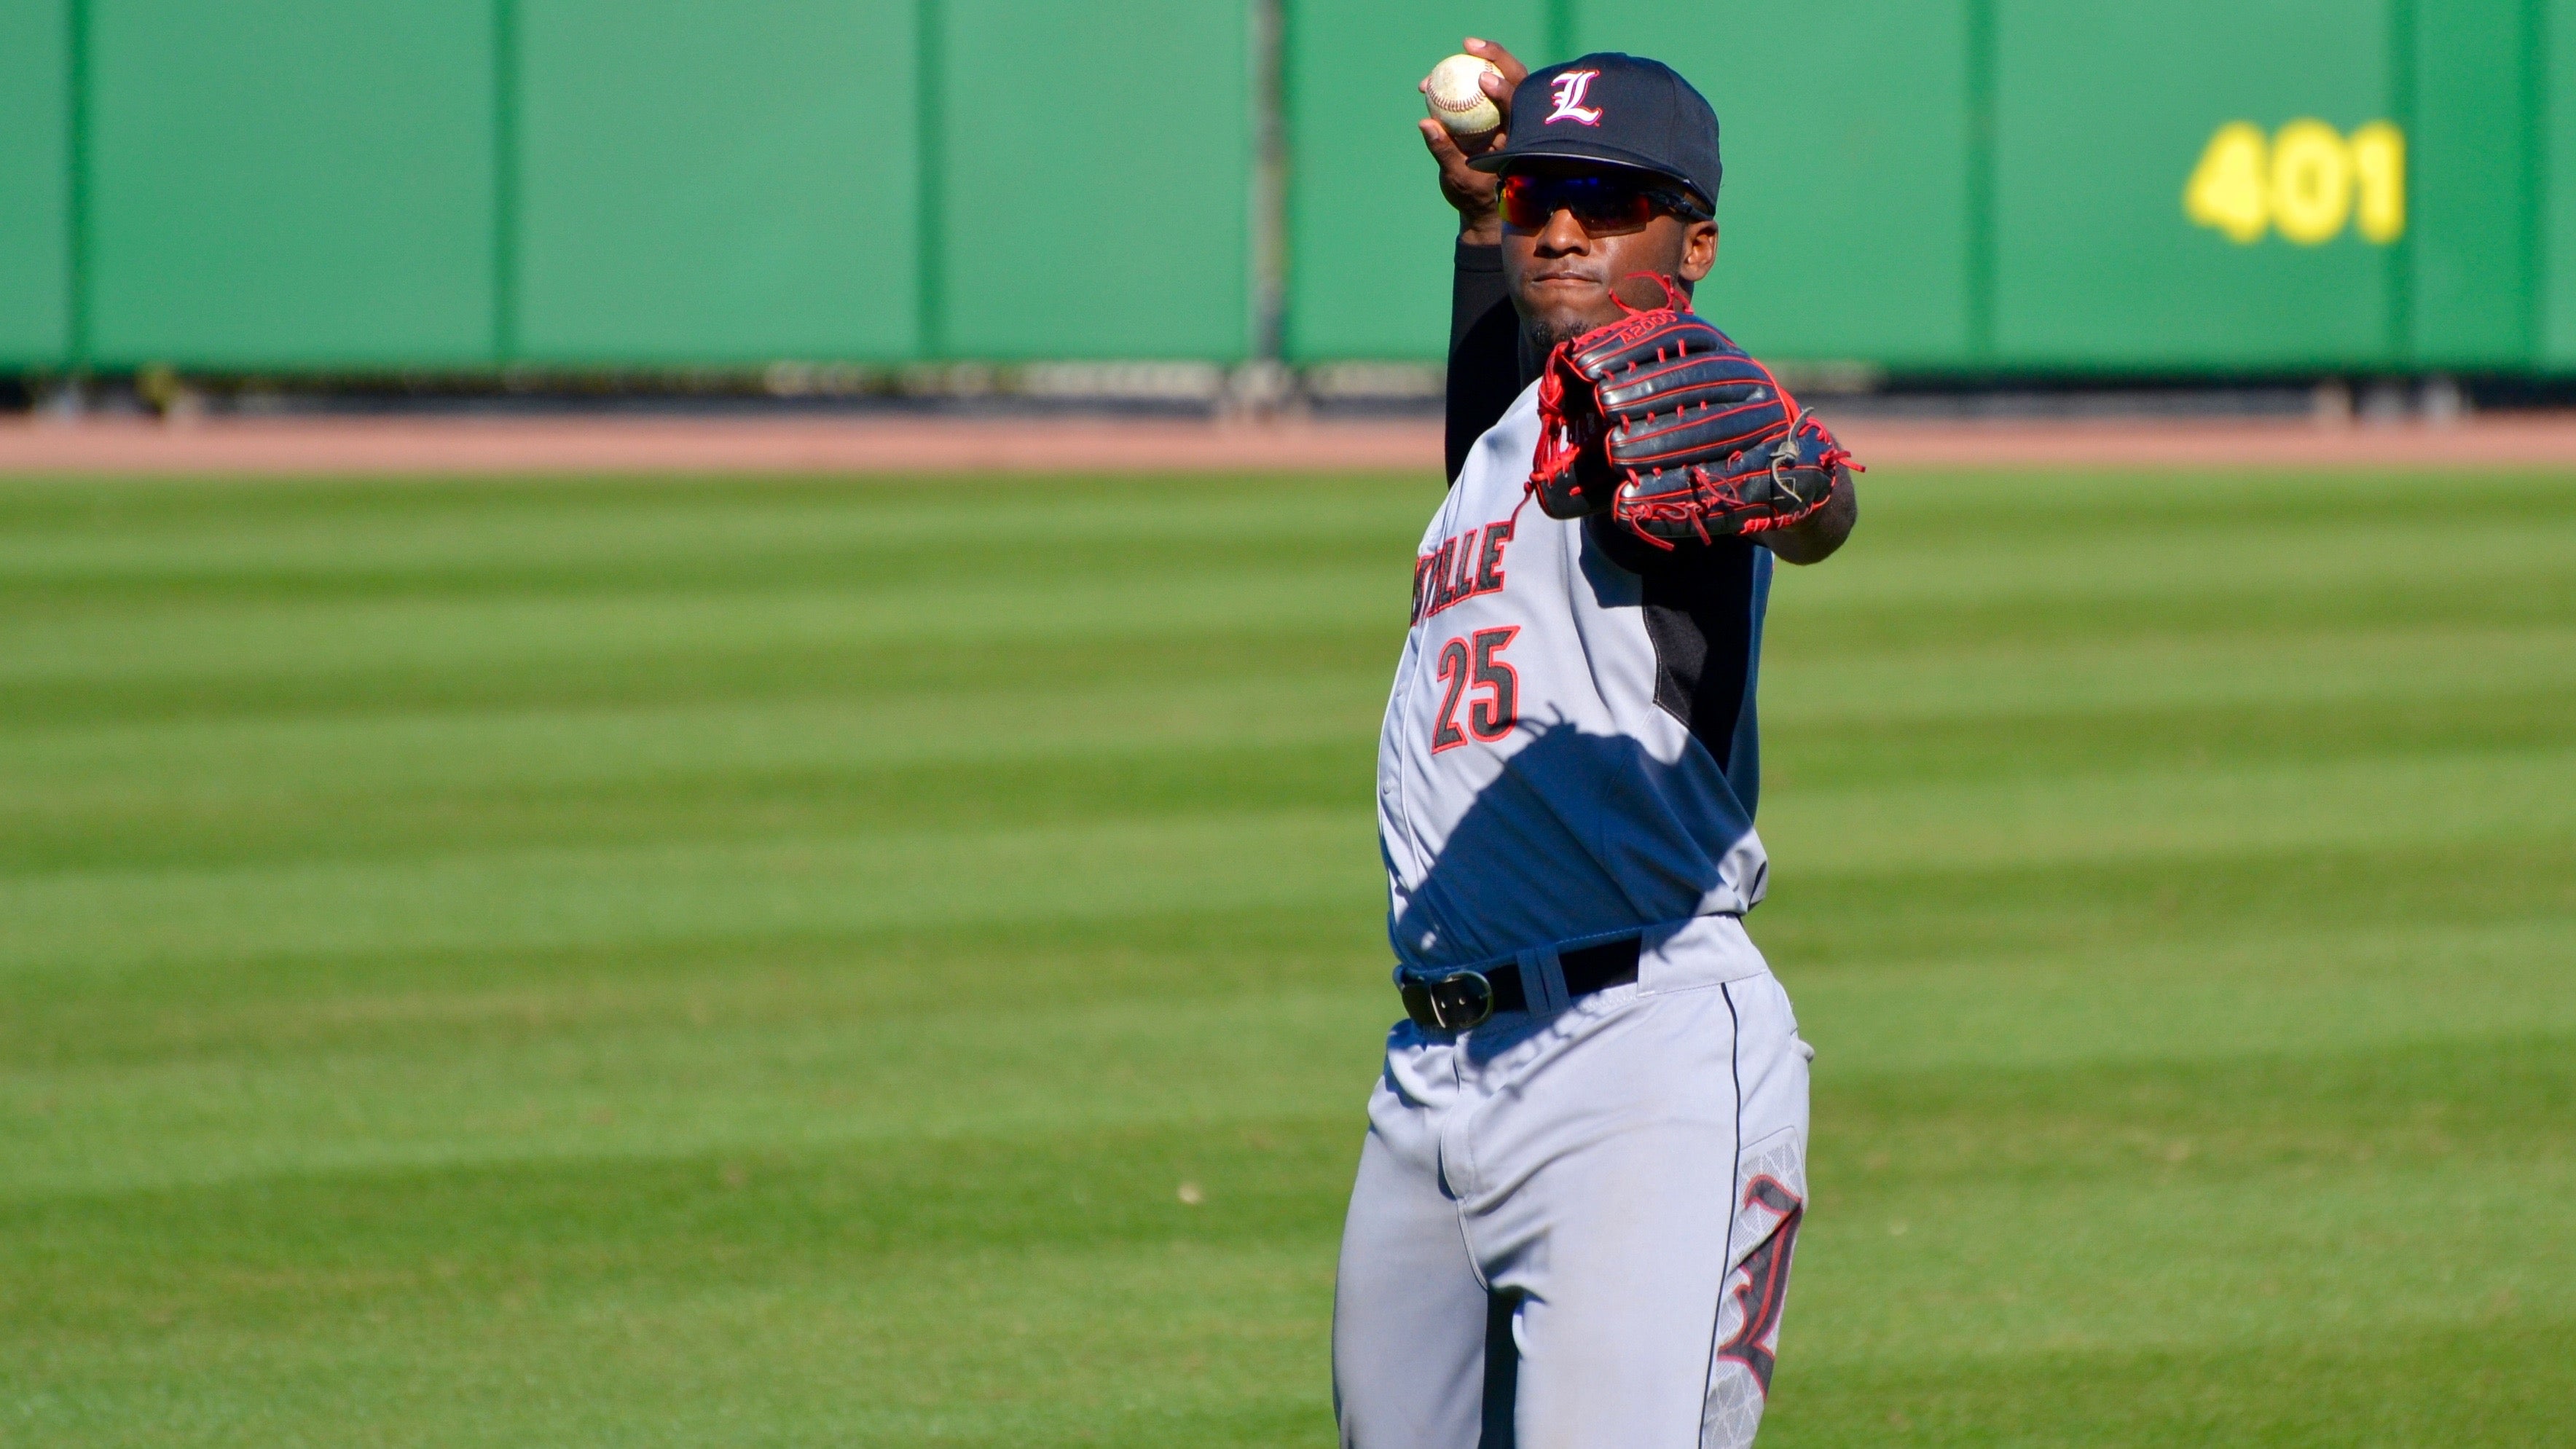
1460, 568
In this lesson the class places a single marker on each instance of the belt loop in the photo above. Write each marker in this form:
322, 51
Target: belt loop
1543, 981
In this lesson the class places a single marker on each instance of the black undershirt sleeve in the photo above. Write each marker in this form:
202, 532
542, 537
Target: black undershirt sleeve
1486, 369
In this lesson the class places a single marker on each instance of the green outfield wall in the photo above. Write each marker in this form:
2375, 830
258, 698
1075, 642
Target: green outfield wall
1937, 186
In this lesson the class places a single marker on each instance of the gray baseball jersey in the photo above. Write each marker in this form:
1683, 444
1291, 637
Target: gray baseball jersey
1570, 748
1572, 1224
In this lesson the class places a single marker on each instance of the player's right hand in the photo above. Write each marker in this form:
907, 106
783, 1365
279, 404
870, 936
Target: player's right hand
1476, 194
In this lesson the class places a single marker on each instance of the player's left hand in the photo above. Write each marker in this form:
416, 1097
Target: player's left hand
1474, 193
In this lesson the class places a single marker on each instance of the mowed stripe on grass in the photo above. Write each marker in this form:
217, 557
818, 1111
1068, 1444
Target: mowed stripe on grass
686, 963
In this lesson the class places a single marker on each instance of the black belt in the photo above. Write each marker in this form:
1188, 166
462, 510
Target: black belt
1461, 999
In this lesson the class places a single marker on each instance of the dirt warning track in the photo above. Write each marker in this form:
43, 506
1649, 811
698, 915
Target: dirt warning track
578, 444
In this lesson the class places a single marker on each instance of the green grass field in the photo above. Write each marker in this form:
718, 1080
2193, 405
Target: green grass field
756, 963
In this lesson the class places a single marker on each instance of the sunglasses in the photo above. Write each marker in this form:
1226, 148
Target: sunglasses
1603, 204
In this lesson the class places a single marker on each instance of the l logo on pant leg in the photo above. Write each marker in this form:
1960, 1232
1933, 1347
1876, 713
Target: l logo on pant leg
1765, 1289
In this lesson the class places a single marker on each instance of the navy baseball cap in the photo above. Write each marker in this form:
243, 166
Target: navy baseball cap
1620, 110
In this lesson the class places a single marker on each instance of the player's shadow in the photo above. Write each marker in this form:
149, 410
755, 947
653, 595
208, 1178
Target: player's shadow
1579, 834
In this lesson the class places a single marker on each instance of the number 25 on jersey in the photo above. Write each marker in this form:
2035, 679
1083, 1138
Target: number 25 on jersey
1476, 661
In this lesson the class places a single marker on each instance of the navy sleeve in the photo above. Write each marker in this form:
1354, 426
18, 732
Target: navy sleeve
1486, 369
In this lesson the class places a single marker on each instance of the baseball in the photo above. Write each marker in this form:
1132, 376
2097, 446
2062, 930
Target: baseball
1456, 101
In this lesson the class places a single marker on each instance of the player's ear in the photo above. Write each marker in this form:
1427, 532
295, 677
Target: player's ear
1699, 250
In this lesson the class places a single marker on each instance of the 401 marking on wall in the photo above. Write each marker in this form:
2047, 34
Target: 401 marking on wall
2308, 179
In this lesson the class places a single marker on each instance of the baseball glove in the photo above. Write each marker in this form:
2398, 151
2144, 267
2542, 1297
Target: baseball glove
1669, 427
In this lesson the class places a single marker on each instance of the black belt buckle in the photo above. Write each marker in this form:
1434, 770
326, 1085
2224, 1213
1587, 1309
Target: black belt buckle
1455, 1002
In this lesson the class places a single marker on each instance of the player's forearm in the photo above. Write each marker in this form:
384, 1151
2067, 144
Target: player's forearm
1476, 288
1816, 538
1484, 349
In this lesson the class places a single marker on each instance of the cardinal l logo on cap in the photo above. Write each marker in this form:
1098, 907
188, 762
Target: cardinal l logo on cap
1569, 89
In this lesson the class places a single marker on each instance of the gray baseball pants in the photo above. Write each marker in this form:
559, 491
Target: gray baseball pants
1608, 1195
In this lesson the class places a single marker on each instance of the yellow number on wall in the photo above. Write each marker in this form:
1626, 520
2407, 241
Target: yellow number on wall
2379, 167
2309, 180
2228, 189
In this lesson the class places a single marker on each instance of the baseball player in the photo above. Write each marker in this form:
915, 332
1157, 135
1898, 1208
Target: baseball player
1585, 1164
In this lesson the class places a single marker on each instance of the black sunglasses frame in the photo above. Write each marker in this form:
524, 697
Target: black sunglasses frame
1679, 202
